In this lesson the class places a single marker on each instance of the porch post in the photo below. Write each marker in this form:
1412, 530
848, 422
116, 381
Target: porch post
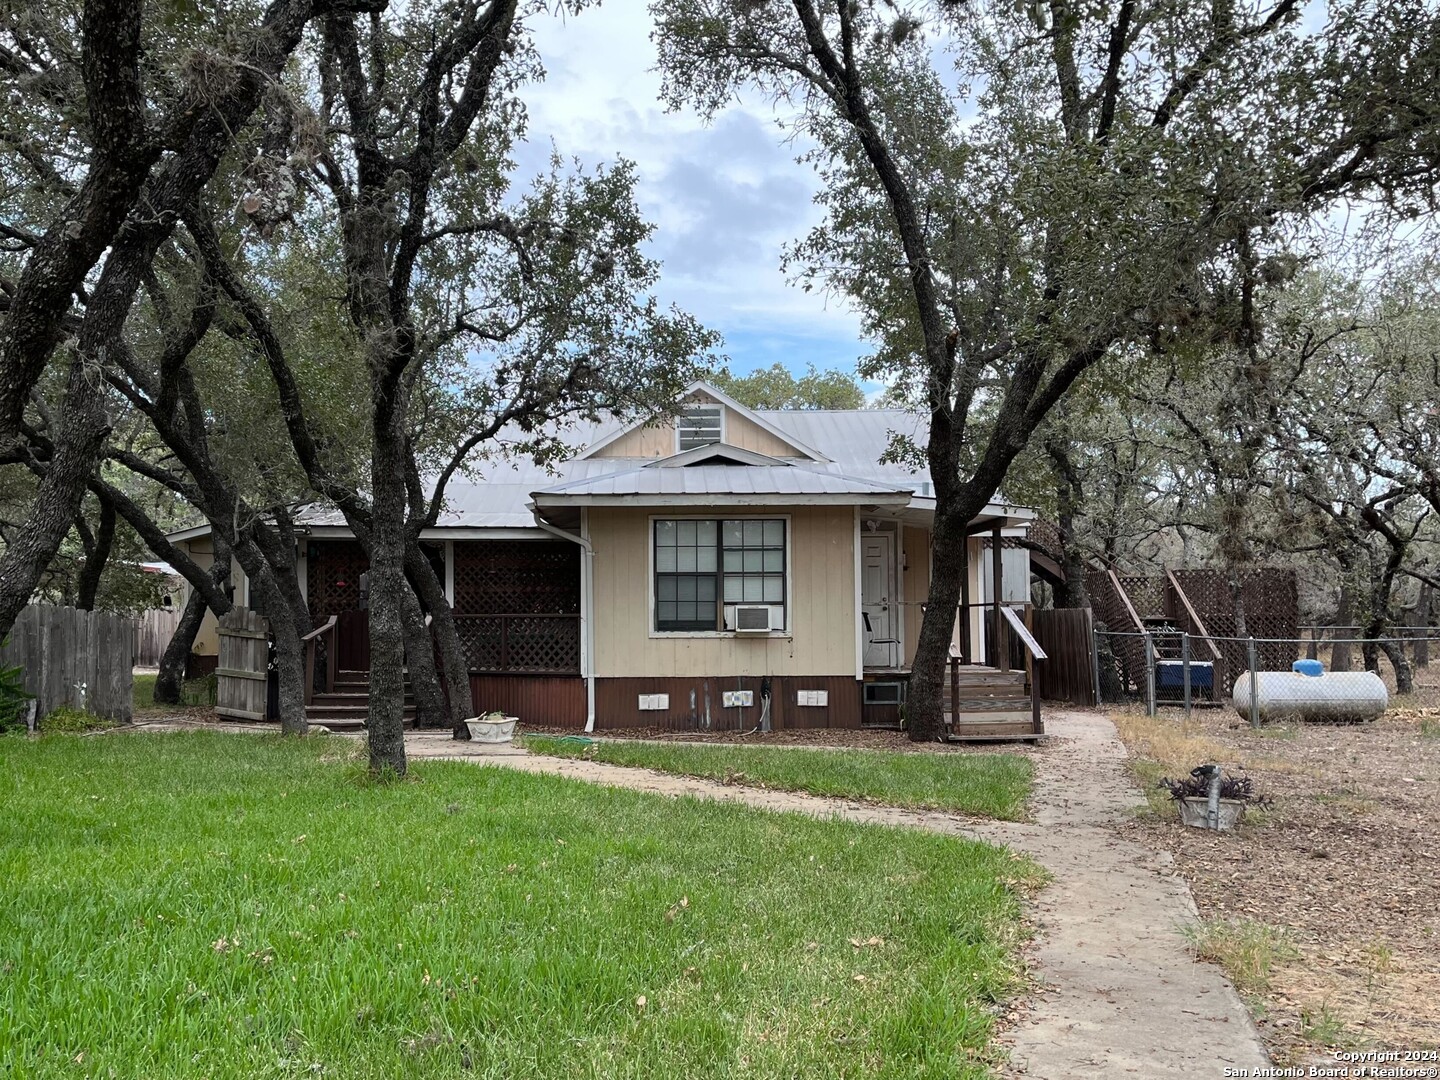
997, 565
450, 572
965, 599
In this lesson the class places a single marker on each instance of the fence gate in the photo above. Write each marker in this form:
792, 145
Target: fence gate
242, 675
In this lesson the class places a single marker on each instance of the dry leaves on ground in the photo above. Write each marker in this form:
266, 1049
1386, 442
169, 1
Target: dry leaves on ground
1347, 860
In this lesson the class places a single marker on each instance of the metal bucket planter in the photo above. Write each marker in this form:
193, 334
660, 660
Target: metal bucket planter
1195, 811
492, 728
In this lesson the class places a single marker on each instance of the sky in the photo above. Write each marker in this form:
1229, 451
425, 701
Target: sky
725, 197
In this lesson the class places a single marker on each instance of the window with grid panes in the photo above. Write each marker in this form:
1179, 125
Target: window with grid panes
703, 569
699, 425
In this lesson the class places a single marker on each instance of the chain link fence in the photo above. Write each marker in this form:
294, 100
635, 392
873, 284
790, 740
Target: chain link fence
1170, 669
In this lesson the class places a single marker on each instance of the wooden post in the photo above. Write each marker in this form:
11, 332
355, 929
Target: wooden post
965, 601
954, 692
1185, 670
1002, 656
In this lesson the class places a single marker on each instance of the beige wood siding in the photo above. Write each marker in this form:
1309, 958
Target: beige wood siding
658, 441
822, 596
643, 442
745, 433
207, 639
916, 576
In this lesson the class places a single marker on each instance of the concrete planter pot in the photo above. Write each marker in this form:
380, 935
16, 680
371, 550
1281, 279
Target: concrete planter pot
1195, 811
492, 729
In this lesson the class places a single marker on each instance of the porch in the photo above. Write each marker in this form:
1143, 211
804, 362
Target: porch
516, 607
990, 689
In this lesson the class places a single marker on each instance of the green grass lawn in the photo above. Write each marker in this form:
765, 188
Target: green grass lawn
986, 785
221, 905
193, 692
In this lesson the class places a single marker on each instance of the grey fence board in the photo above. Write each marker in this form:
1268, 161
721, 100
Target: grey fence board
241, 679
153, 631
72, 658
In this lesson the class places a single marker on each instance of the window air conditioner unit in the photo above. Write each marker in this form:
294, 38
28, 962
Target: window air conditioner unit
752, 619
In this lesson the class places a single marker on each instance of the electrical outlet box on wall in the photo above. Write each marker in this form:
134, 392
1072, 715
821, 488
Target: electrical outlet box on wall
737, 699
654, 702
812, 697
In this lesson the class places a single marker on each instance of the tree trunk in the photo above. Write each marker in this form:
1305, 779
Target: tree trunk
289, 652
387, 576
1067, 504
454, 663
96, 558
925, 708
1237, 599
1395, 652
1344, 612
1422, 622
83, 428
430, 711
177, 653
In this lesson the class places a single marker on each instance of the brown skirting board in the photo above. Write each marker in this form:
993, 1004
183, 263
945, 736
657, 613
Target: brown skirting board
552, 700
696, 703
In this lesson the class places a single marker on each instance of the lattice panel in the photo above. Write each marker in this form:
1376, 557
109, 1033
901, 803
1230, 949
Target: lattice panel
521, 643
332, 577
536, 644
1147, 594
521, 577
480, 641
1272, 610
1127, 652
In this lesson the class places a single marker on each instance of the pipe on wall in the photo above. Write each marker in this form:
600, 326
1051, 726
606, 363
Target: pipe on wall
587, 590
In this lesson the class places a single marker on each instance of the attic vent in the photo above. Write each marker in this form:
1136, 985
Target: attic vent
699, 425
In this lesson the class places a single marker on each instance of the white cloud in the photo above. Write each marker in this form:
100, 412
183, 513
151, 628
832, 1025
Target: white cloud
725, 197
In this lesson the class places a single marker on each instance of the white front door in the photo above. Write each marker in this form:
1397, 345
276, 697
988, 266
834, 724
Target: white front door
877, 587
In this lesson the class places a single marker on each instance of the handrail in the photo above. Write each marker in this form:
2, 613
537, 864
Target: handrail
1125, 599
312, 641
1023, 633
1193, 615
330, 622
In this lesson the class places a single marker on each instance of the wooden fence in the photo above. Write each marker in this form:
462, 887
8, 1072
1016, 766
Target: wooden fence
153, 631
242, 675
79, 659
1067, 636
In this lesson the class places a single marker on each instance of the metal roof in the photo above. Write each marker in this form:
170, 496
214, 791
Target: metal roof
726, 480
497, 493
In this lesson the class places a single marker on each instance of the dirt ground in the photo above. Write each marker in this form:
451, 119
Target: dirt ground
1346, 860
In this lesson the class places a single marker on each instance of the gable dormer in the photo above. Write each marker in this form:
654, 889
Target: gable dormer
708, 417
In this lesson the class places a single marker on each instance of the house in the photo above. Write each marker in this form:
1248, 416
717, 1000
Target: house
727, 568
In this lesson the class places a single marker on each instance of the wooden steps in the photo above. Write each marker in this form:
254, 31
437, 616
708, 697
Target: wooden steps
346, 706
992, 704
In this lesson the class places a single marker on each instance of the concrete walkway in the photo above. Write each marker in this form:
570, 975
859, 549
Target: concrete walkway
1120, 995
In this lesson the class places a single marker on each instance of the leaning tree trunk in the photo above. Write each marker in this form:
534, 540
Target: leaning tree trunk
452, 654
96, 558
388, 586
430, 711
82, 430
1404, 678
925, 711
177, 653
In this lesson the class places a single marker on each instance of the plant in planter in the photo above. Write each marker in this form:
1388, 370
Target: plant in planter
1193, 797
492, 727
